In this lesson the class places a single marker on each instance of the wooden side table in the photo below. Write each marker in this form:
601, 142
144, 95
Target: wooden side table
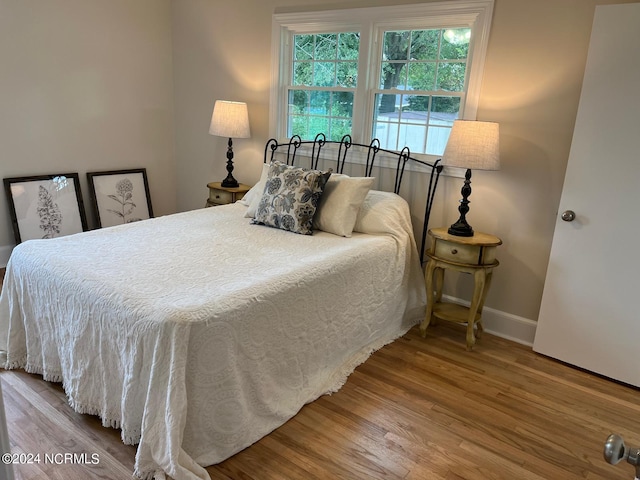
474, 255
219, 195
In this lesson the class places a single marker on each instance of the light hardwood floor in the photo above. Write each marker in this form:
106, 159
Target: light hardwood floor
417, 409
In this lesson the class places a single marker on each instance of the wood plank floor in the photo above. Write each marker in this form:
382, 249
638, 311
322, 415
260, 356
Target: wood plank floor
417, 409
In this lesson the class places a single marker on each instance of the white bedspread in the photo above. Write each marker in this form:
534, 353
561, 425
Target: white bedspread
198, 333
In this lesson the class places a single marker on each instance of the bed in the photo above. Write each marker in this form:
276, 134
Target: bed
198, 333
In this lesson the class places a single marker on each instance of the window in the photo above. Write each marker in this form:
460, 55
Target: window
401, 74
422, 79
323, 81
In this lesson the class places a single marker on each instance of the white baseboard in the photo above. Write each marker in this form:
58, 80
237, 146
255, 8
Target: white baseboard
505, 325
5, 253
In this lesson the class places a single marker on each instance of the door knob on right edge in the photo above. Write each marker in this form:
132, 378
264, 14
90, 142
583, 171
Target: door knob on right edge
568, 215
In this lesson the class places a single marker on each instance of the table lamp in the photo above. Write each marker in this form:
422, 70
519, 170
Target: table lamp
475, 146
231, 120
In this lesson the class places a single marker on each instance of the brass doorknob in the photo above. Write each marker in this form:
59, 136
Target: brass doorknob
568, 215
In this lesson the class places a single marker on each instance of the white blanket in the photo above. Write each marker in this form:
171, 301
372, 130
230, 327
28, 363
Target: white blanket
198, 333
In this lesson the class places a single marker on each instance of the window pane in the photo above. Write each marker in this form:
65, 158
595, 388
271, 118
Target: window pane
405, 127
387, 123
455, 44
421, 122
320, 102
302, 73
324, 74
298, 126
424, 44
396, 45
348, 46
298, 102
394, 75
422, 76
416, 110
316, 125
340, 128
342, 104
437, 138
387, 103
412, 136
303, 47
451, 77
326, 46
312, 112
347, 74
444, 110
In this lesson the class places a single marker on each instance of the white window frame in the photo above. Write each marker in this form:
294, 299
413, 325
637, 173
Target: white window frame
371, 23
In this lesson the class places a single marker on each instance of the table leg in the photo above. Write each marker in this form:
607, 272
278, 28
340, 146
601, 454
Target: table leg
478, 295
439, 282
487, 285
428, 280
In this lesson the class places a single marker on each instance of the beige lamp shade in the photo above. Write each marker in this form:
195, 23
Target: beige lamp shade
230, 119
473, 145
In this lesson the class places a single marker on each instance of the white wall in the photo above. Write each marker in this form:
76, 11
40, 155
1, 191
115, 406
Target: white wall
86, 85
221, 51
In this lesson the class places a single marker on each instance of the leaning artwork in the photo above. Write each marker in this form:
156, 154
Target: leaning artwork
45, 206
120, 196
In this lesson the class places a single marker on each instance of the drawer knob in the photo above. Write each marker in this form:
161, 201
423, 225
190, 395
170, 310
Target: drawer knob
454, 251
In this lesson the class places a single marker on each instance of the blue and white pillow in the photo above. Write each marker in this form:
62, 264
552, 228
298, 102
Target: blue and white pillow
290, 198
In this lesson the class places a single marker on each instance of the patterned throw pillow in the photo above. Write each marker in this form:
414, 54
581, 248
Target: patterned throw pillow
290, 198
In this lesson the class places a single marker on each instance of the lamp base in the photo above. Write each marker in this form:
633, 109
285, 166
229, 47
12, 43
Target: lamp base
460, 229
230, 182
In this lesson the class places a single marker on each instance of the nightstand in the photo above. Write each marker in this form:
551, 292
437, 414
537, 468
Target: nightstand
219, 195
475, 255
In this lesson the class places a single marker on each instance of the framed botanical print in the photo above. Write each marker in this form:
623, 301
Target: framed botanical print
120, 196
45, 206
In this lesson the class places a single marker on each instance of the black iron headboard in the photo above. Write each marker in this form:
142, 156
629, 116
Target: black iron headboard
290, 150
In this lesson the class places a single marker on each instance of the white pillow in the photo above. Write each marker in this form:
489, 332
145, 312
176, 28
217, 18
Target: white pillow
340, 203
383, 212
253, 196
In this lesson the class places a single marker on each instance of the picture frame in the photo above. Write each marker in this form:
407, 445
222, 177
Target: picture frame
120, 196
45, 206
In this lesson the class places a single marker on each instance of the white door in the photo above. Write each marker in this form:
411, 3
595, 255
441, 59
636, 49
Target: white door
590, 312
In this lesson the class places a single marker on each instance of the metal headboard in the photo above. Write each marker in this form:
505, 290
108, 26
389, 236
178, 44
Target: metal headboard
372, 150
